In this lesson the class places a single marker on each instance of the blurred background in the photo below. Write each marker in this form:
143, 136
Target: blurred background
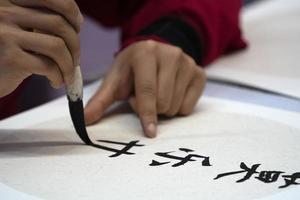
98, 46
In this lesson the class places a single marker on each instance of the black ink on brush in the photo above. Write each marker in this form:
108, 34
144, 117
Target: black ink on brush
75, 93
77, 115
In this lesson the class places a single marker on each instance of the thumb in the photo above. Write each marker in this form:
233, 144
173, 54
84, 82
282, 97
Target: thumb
102, 99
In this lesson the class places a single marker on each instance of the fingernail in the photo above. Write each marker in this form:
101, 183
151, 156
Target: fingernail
151, 130
55, 85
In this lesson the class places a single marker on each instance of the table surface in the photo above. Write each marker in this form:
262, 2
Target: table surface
213, 89
253, 96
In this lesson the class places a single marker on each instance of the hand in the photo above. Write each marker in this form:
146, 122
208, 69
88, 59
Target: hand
156, 78
38, 37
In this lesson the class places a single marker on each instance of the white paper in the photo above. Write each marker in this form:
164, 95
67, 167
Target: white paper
272, 60
48, 161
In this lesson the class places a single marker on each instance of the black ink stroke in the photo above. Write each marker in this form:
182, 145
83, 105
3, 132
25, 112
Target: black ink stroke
119, 152
182, 160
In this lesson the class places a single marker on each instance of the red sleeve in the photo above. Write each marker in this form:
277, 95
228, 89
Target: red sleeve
216, 22
9, 105
112, 13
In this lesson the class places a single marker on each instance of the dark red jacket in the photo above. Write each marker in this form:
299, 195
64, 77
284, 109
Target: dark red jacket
204, 29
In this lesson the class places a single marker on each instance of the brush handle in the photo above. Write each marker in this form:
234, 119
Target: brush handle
75, 90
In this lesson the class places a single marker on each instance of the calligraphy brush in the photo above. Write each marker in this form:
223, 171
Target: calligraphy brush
75, 93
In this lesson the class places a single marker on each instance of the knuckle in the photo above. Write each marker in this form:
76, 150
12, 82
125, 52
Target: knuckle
162, 104
200, 73
58, 24
70, 6
176, 56
176, 52
184, 111
52, 70
76, 47
8, 58
190, 70
147, 114
68, 70
47, 2
147, 89
57, 45
5, 14
149, 44
187, 71
135, 57
11, 62
188, 59
101, 102
200, 76
4, 36
171, 113
144, 48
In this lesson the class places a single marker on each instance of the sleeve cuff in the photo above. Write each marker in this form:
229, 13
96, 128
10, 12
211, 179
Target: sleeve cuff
172, 31
178, 33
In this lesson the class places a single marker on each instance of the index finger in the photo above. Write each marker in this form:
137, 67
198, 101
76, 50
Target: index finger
66, 8
145, 78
